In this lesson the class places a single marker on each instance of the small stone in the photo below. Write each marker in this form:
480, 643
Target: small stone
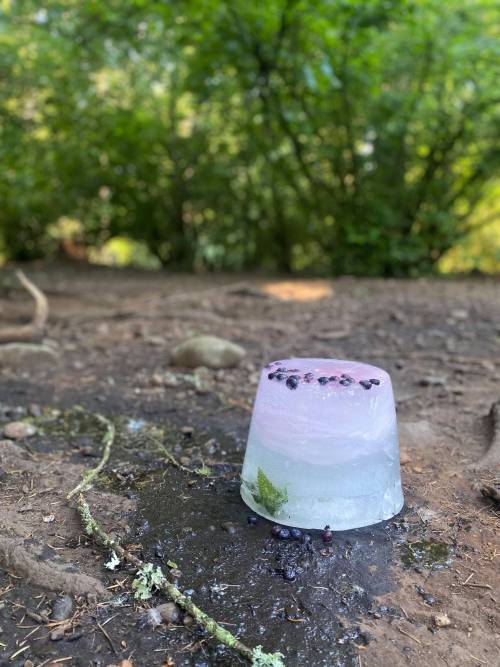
229, 527
29, 663
442, 620
34, 410
187, 431
56, 635
209, 351
18, 430
27, 355
188, 620
432, 381
289, 574
62, 608
169, 612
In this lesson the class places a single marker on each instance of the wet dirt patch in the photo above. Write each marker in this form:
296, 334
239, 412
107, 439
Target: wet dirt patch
237, 571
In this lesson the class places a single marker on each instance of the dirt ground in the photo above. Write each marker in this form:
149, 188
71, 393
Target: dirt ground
369, 599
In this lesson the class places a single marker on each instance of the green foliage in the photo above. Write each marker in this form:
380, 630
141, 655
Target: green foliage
261, 659
349, 137
147, 579
269, 496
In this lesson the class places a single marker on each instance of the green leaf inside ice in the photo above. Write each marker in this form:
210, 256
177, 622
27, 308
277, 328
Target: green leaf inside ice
268, 495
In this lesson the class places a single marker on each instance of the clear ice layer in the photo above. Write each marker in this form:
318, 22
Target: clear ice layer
323, 445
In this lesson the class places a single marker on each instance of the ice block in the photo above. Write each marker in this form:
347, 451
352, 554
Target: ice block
323, 445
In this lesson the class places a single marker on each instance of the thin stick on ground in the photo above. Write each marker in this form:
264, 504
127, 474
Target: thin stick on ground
107, 442
256, 656
34, 330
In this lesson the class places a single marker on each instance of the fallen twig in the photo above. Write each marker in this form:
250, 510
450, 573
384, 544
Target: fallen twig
107, 442
35, 329
403, 632
256, 656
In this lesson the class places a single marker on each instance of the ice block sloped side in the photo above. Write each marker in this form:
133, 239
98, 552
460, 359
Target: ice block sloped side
323, 446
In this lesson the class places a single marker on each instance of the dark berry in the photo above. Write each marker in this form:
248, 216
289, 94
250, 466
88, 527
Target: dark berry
375, 381
252, 520
284, 534
271, 376
327, 535
323, 380
346, 383
292, 382
333, 378
295, 533
366, 384
280, 376
275, 531
344, 376
289, 574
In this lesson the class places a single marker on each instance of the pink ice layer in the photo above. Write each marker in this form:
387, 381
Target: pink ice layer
329, 423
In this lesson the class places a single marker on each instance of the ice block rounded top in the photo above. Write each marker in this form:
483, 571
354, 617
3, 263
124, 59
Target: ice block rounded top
323, 445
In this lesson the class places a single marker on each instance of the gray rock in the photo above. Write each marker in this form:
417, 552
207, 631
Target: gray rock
18, 430
22, 355
62, 608
416, 434
169, 612
208, 351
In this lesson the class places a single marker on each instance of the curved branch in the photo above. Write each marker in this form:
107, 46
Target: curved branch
36, 328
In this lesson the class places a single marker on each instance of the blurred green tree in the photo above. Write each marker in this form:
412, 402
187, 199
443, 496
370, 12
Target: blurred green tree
351, 137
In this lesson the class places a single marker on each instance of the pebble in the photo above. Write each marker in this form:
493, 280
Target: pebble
62, 608
289, 574
442, 620
229, 527
27, 355
18, 430
188, 620
169, 612
209, 351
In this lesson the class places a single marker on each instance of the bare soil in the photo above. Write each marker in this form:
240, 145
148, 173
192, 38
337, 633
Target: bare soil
371, 598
